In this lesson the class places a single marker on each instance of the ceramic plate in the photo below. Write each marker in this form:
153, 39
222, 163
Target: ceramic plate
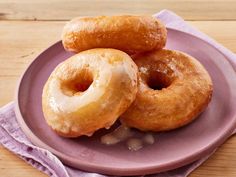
170, 150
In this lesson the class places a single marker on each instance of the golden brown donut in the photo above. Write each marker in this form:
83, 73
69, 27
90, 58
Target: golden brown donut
89, 91
131, 34
173, 89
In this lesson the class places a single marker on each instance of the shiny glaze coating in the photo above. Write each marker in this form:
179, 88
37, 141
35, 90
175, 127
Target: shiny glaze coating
131, 34
89, 91
180, 90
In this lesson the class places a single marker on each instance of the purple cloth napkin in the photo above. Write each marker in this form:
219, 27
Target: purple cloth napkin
12, 137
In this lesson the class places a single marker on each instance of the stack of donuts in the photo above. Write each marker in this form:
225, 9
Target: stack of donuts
121, 71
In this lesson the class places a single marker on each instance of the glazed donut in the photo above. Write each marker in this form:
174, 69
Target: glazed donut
89, 91
173, 89
131, 34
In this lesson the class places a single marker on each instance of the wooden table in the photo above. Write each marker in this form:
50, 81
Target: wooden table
28, 27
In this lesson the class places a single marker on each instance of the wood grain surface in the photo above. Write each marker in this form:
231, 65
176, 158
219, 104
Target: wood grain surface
64, 10
28, 27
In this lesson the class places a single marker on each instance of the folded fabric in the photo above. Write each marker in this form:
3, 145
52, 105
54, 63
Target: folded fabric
12, 137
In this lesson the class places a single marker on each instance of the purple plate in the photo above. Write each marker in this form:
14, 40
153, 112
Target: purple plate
171, 149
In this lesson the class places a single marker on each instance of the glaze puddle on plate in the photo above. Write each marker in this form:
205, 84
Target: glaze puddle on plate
134, 139
172, 149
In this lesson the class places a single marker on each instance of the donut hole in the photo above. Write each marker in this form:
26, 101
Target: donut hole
79, 84
158, 80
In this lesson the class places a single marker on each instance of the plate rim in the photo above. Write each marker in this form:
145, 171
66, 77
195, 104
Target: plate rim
112, 170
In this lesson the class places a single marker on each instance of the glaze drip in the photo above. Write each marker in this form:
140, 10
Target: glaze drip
134, 139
